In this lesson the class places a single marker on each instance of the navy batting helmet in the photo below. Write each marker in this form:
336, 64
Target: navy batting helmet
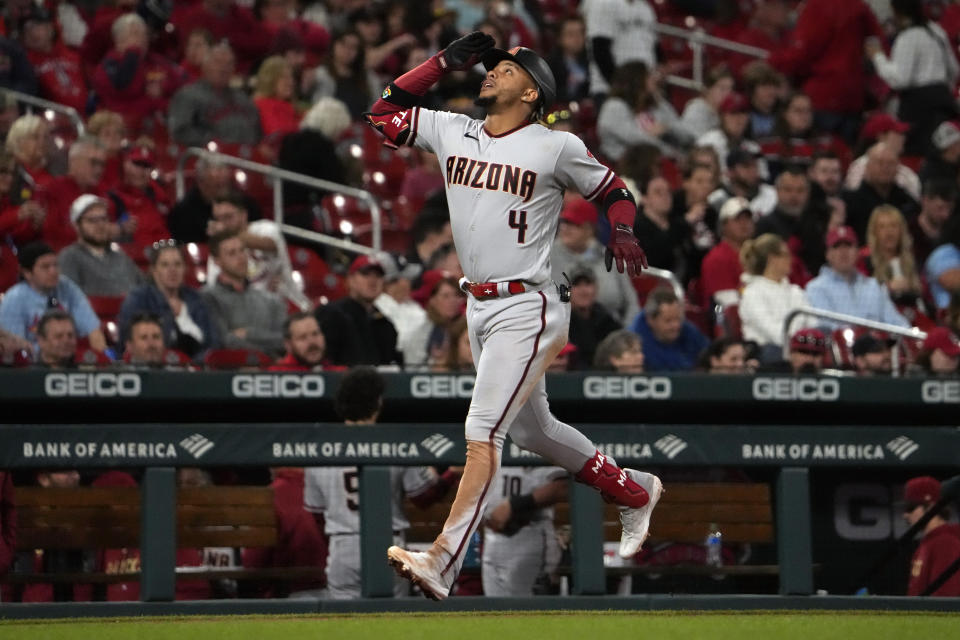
533, 64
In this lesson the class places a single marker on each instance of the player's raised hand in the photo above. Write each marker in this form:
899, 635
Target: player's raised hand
465, 52
625, 248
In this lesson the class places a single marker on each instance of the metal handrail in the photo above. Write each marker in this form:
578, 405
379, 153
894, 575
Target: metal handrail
278, 176
663, 274
912, 333
697, 39
33, 101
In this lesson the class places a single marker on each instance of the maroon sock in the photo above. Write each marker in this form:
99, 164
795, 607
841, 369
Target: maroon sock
612, 482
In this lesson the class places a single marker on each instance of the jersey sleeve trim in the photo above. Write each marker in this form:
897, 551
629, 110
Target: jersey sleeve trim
415, 127
600, 187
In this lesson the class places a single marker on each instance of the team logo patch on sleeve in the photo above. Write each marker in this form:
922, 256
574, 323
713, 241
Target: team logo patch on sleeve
386, 93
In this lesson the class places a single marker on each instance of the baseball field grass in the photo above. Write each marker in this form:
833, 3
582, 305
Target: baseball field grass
787, 625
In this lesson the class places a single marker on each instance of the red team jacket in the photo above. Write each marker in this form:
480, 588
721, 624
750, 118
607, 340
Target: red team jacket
938, 549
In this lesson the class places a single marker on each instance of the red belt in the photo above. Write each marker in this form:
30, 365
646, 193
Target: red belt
487, 290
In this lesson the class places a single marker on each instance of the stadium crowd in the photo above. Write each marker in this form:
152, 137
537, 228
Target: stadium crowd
825, 175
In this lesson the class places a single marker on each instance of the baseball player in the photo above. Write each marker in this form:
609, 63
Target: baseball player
334, 491
519, 540
505, 177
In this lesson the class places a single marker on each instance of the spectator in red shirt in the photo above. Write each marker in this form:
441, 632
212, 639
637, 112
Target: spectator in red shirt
721, 267
133, 81
140, 203
58, 68
20, 217
940, 545
766, 30
274, 98
109, 128
29, 142
225, 20
85, 166
825, 55
304, 342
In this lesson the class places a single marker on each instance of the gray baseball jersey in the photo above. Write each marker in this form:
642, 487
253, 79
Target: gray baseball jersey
505, 192
335, 492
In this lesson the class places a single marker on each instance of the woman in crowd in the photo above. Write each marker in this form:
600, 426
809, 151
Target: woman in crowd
888, 256
444, 302
620, 351
274, 98
187, 325
345, 75
635, 113
109, 128
29, 142
922, 68
768, 295
794, 138
457, 356
703, 112
726, 355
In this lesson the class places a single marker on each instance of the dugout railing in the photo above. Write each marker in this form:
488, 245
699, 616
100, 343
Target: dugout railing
158, 448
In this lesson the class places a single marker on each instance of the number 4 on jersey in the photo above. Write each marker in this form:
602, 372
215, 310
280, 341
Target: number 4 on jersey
518, 221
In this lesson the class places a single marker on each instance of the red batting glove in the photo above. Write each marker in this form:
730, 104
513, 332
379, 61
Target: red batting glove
625, 247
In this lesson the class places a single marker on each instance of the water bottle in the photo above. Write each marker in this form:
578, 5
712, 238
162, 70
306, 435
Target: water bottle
713, 545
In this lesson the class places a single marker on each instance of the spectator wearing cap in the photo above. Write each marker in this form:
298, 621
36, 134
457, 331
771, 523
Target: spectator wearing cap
702, 114
85, 165
635, 113
312, 152
807, 350
871, 357
732, 132
938, 200
888, 256
882, 127
721, 270
42, 289
356, 331
922, 68
396, 302
246, 317
940, 545
621, 351
744, 179
92, 262
305, 344
184, 315
940, 353
132, 80
943, 160
825, 52
659, 234
590, 322
841, 288
768, 296
878, 187
140, 203
441, 297
576, 243
59, 72
269, 267
670, 342
226, 20
210, 109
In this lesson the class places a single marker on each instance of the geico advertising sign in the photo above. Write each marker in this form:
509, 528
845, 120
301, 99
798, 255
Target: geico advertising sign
802, 389
627, 388
267, 385
92, 385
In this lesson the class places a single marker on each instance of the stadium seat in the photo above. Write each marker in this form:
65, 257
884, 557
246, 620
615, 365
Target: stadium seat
318, 279
230, 359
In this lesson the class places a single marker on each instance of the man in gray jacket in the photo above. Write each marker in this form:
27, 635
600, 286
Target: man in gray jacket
210, 109
247, 318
